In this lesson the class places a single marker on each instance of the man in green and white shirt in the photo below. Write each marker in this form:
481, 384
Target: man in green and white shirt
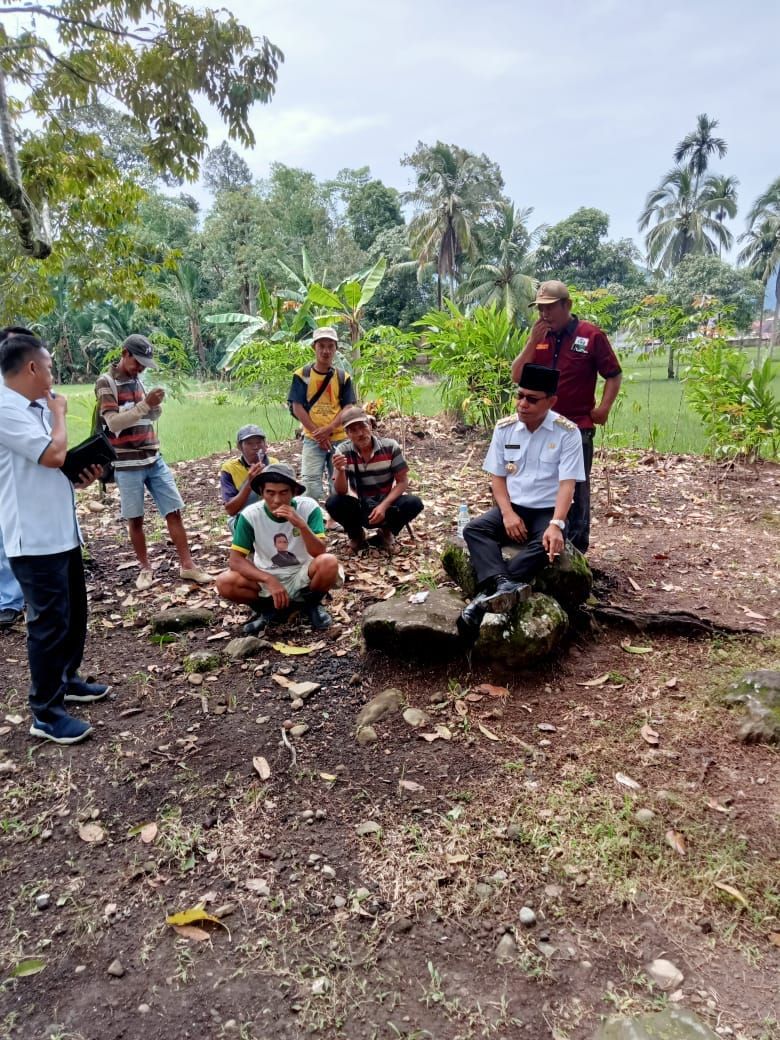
308, 570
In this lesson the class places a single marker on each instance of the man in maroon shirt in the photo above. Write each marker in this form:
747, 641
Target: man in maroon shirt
581, 352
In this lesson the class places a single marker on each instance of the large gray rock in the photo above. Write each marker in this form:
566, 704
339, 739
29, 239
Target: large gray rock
180, 618
673, 1023
426, 631
568, 580
759, 692
246, 646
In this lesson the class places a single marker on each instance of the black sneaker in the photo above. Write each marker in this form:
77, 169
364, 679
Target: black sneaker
64, 730
9, 616
79, 691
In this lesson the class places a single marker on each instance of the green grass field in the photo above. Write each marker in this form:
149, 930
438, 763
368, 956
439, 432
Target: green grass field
651, 413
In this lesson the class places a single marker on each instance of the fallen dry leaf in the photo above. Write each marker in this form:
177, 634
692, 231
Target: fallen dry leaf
148, 833
91, 832
262, 768
716, 806
733, 892
671, 683
282, 681
774, 938
675, 841
410, 785
626, 781
190, 931
461, 708
630, 649
492, 691
487, 732
598, 681
443, 732
457, 858
430, 737
752, 614
649, 735
328, 777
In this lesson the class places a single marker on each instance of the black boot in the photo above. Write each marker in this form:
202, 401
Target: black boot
264, 615
319, 618
508, 594
471, 618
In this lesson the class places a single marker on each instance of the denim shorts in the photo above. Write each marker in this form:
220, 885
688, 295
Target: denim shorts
162, 487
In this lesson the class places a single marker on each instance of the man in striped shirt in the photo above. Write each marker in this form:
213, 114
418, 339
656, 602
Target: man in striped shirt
128, 413
375, 470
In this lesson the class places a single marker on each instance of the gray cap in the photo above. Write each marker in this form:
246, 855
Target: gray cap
325, 332
141, 349
248, 431
277, 473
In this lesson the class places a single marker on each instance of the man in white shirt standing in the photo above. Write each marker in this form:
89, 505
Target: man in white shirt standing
42, 538
534, 461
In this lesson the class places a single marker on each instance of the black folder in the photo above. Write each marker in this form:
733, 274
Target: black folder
94, 451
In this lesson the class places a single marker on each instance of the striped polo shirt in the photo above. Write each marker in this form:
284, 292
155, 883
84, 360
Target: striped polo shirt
375, 478
137, 445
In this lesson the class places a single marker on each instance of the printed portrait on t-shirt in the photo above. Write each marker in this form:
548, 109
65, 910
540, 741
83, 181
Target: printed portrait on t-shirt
283, 557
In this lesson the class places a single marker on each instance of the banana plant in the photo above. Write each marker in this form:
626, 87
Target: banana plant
347, 302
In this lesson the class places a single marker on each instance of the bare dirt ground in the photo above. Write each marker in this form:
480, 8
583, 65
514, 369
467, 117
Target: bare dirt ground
362, 892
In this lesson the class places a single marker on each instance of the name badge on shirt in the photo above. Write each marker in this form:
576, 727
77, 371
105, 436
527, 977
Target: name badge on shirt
580, 345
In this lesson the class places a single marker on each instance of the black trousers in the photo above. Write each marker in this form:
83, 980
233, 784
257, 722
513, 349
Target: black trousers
486, 535
579, 514
353, 513
56, 597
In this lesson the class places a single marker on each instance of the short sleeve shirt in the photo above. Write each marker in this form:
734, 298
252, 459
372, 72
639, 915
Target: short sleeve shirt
375, 478
339, 392
581, 353
37, 504
534, 464
259, 534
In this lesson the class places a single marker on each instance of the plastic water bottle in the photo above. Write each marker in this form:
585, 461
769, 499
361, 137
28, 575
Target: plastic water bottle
463, 518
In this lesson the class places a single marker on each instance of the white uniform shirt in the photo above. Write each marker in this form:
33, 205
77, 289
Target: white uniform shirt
535, 463
37, 505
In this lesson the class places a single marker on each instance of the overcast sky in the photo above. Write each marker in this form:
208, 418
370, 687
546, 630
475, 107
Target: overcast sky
581, 104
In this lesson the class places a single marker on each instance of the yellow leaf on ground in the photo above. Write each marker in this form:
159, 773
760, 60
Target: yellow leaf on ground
197, 913
731, 891
328, 777
487, 732
289, 650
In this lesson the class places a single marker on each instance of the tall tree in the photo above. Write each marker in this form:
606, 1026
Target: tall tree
152, 56
721, 190
576, 251
684, 219
225, 170
696, 148
371, 209
761, 251
454, 189
508, 281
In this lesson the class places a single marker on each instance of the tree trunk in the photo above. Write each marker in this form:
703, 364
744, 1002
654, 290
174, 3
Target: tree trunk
775, 331
32, 234
197, 342
670, 362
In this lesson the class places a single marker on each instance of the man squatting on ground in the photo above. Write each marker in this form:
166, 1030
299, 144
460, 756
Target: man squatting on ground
128, 413
581, 352
318, 395
42, 537
236, 475
269, 575
534, 461
375, 470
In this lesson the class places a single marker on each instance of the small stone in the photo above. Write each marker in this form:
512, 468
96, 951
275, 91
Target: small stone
320, 986
514, 832
116, 969
361, 894
385, 702
225, 910
366, 735
483, 890
546, 949
43, 901
46, 834
328, 872
302, 690
402, 925
644, 817
299, 729
307, 814
339, 902
314, 857
320, 814
665, 975
297, 704
499, 877
80, 969
507, 947
143, 1009
553, 891
527, 916
415, 717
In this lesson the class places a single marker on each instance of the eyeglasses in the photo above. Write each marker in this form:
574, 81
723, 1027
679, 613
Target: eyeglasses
530, 398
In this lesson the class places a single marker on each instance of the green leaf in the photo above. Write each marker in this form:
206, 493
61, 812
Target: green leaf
322, 297
230, 318
307, 271
373, 278
29, 966
351, 292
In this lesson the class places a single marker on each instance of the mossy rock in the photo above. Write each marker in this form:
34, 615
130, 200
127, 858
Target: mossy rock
528, 634
201, 661
673, 1023
568, 580
759, 692
415, 630
179, 619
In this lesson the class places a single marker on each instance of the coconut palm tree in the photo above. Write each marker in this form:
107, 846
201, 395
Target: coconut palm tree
721, 190
454, 190
695, 149
684, 220
761, 252
504, 282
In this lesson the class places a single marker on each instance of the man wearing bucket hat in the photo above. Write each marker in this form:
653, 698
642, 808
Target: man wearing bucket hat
534, 462
128, 414
270, 579
318, 395
375, 470
580, 352
236, 475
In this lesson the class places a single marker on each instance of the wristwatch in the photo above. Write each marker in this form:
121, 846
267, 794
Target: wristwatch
559, 523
